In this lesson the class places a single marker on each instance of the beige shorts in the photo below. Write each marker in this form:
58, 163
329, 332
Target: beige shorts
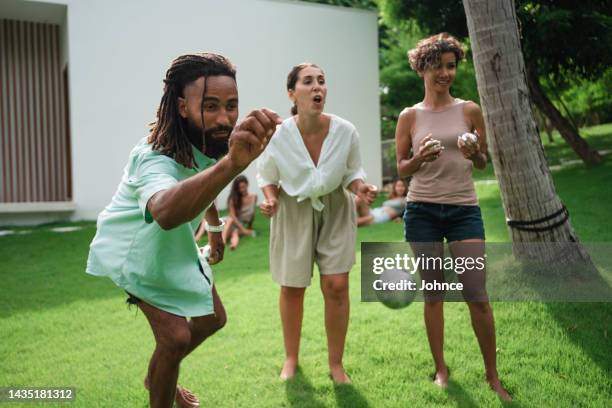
301, 236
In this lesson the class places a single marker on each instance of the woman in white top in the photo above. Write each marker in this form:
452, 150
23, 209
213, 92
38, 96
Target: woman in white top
311, 161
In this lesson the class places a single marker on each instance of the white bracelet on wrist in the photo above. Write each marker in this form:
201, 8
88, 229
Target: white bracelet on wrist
214, 228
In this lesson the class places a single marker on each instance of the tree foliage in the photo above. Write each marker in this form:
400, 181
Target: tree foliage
400, 85
559, 36
567, 43
433, 16
567, 38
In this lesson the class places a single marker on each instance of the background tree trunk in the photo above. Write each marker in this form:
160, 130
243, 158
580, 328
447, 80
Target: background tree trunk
567, 131
526, 186
544, 125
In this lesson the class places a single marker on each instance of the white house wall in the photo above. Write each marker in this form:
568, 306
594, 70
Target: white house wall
118, 52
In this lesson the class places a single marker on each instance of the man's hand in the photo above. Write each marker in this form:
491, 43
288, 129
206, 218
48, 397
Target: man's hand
217, 247
269, 207
367, 192
251, 136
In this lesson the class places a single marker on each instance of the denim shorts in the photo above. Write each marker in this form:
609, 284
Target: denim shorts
430, 222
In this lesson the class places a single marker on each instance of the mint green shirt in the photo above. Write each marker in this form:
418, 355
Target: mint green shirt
160, 267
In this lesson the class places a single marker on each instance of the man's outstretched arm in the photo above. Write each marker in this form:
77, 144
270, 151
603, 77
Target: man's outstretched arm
185, 201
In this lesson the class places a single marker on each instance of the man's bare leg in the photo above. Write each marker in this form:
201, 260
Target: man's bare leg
200, 328
203, 327
172, 338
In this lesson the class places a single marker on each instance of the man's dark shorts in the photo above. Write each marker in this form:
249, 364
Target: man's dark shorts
132, 300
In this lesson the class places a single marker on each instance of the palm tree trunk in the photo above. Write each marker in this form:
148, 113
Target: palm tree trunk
567, 131
527, 190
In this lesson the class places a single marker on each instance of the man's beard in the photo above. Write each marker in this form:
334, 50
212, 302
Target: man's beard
214, 146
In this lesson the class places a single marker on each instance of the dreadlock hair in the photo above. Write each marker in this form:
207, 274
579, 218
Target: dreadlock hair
235, 199
169, 130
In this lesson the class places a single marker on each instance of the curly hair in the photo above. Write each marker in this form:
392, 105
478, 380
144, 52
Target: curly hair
428, 51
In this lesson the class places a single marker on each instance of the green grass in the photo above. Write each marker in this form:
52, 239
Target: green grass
61, 327
586, 192
558, 152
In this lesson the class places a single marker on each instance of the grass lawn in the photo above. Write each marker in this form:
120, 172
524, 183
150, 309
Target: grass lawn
61, 327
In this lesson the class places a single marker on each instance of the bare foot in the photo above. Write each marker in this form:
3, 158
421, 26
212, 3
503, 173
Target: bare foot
440, 377
288, 370
339, 376
183, 397
497, 386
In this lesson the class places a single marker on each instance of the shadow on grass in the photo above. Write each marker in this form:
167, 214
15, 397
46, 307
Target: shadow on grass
582, 307
348, 397
578, 300
589, 326
464, 400
461, 397
300, 392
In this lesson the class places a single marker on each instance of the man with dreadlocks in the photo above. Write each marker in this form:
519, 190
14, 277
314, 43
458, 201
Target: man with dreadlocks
144, 240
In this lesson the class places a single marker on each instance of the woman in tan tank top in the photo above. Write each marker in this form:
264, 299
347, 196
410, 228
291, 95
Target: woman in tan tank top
442, 201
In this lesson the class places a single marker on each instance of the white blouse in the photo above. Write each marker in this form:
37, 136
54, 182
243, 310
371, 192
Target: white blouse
286, 161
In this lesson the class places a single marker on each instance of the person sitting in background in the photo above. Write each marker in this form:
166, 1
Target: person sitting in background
241, 207
391, 209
